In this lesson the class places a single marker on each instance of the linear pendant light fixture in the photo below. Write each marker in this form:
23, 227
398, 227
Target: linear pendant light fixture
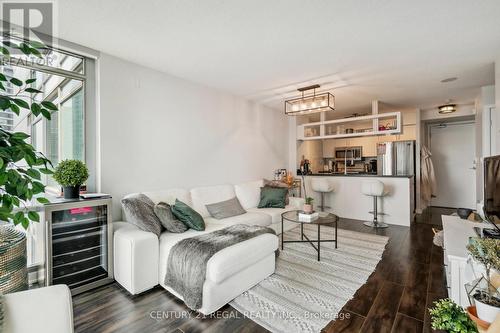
310, 103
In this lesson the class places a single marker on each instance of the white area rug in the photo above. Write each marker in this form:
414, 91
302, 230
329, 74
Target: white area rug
304, 295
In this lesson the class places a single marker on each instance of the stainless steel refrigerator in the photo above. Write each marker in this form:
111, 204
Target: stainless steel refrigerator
396, 158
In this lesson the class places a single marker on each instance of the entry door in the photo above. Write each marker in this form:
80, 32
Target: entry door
453, 156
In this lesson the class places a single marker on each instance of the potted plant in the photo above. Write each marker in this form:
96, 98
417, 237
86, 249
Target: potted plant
70, 174
308, 207
450, 317
486, 251
21, 165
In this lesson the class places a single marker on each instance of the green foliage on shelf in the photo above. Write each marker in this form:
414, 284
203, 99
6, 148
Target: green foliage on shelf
309, 200
71, 173
21, 165
487, 252
448, 316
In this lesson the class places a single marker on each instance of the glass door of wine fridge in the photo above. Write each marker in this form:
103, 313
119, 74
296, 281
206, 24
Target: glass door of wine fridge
79, 244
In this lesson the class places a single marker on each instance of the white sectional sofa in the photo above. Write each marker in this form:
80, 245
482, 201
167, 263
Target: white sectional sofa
140, 258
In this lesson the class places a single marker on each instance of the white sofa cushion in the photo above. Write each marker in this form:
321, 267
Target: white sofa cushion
247, 218
233, 259
249, 193
202, 196
169, 196
274, 213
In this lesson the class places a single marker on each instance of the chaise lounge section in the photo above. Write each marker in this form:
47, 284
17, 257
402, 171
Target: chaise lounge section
140, 257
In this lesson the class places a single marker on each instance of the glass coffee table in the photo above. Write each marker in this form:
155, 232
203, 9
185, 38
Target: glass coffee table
324, 218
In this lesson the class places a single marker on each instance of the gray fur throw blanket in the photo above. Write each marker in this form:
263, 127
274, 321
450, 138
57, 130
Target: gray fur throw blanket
187, 260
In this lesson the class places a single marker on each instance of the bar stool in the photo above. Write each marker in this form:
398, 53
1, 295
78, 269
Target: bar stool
375, 189
323, 186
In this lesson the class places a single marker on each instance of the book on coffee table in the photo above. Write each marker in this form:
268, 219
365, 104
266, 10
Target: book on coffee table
305, 217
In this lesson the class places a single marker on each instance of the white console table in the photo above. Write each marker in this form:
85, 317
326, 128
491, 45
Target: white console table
458, 271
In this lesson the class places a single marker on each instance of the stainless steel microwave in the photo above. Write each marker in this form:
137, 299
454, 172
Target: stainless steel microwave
348, 153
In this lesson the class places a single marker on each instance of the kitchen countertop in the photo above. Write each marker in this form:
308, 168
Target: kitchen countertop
357, 175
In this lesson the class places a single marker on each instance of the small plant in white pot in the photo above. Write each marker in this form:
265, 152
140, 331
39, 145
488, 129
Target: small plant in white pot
71, 174
486, 251
308, 206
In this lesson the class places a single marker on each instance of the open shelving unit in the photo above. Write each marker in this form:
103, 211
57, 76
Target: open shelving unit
376, 124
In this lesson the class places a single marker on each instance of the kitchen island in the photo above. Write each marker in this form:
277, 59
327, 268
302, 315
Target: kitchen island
347, 200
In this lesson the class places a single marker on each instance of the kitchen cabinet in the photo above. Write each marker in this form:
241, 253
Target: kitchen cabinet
369, 145
329, 148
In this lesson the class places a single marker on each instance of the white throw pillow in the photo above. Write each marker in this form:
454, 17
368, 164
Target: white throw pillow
249, 193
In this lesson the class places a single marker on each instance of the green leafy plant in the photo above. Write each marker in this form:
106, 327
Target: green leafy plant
309, 200
448, 316
487, 252
21, 165
71, 173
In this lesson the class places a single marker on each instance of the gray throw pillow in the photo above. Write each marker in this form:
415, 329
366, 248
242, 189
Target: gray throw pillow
224, 209
168, 220
139, 210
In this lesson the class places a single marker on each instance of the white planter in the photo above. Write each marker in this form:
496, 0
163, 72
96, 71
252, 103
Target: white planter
486, 312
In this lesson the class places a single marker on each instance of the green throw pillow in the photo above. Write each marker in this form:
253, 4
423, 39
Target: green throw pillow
272, 197
188, 216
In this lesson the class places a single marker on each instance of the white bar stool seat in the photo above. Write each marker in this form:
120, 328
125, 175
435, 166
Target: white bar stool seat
323, 186
375, 189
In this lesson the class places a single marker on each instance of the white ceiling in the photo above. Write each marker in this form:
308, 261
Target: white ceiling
395, 51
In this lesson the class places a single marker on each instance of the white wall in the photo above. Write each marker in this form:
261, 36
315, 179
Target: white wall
158, 131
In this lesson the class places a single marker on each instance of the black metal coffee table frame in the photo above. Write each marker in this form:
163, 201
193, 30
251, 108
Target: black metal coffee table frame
330, 219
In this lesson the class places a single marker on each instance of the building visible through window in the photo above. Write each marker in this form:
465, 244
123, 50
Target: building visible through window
62, 81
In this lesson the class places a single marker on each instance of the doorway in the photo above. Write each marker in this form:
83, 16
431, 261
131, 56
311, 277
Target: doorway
453, 153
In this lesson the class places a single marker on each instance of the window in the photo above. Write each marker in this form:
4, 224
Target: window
72, 127
63, 81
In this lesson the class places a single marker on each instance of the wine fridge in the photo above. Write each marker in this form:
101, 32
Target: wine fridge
79, 244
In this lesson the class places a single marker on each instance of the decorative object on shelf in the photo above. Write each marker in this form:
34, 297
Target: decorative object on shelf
484, 294
308, 206
448, 316
464, 213
13, 258
70, 174
310, 103
289, 179
447, 108
305, 166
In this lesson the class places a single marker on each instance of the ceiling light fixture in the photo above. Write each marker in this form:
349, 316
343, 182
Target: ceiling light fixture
447, 108
310, 103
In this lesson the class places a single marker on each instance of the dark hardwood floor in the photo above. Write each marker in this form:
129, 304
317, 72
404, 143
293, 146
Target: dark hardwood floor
407, 280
